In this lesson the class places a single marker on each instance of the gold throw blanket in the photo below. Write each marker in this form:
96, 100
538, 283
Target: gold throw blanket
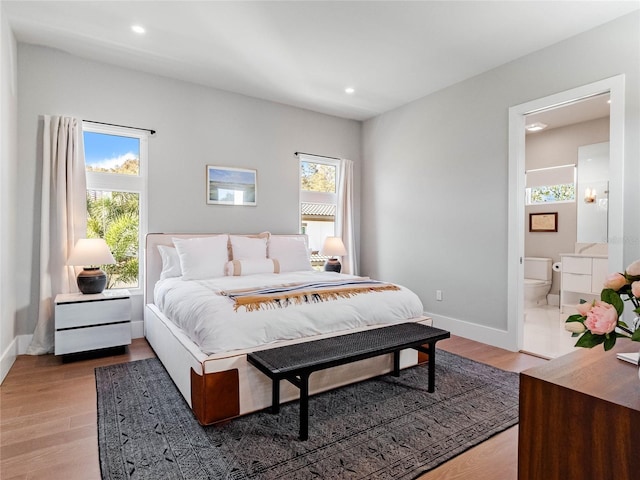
282, 296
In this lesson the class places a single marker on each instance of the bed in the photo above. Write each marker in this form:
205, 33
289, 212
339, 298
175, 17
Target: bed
206, 309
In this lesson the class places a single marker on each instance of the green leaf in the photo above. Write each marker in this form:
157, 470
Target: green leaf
574, 318
610, 341
636, 336
589, 340
612, 297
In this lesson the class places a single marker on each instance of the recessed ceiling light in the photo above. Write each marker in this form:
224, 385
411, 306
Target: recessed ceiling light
536, 127
139, 29
349, 90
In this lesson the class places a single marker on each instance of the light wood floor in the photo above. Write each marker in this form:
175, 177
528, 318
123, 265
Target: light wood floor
48, 424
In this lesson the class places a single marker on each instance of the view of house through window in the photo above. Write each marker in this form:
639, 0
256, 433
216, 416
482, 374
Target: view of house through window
318, 181
114, 161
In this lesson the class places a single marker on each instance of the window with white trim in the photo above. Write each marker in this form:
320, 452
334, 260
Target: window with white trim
551, 185
318, 200
116, 168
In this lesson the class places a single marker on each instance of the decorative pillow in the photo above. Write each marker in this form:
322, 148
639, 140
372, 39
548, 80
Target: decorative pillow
248, 248
202, 257
291, 252
252, 267
170, 262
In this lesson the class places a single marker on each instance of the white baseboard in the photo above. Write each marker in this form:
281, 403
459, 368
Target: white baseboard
473, 331
7, 359
18, 346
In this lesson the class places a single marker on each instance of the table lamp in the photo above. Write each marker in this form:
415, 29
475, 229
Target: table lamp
87, 253
332, 248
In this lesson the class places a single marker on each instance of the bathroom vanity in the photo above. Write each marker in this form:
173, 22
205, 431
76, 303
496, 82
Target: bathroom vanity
582, 278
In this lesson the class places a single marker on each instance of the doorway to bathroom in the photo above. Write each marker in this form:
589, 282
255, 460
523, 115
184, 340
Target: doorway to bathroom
549, 183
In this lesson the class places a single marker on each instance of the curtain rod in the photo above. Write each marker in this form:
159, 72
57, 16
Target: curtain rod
152, 132
315, 155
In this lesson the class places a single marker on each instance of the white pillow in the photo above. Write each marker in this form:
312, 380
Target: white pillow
291, 252
170, 262
248, 248
252, 267
202, 257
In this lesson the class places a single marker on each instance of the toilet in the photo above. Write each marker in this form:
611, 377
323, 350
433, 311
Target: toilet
537, 281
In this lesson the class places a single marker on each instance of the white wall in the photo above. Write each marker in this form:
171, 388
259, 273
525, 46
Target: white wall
195, 126
449, 151
558, 146
8, 189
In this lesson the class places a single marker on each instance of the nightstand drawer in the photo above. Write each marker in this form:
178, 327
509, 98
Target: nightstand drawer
92, 338
83, 314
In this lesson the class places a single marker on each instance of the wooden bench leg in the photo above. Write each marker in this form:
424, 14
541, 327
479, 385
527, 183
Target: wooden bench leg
304, 407
275, 396
396, 363
432, 368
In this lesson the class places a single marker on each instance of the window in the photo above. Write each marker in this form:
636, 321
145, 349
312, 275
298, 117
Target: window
116, 159
318, 199
551, 185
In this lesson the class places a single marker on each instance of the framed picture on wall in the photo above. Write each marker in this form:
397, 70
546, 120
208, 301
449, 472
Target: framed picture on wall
231, 186
543, 222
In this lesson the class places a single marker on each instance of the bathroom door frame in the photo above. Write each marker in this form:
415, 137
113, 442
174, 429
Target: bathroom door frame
516, 210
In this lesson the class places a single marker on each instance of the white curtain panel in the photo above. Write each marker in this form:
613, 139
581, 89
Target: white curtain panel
345, 228
63, 219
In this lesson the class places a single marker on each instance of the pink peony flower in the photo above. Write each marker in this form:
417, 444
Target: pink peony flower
583, 308
615, 281
602, 318
634, 269
635, 289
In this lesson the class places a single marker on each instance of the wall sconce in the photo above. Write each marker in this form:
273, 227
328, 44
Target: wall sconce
333, 247
88, 253
589, 195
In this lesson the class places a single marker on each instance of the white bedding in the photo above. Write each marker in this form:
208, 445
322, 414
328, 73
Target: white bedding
210, 321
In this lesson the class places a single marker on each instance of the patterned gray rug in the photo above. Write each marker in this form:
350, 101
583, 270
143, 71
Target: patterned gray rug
384, 428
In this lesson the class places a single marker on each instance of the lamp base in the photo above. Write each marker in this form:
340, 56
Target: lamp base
333, 265
92, 280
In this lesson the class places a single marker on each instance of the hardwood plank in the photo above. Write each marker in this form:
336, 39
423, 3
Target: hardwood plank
48, 417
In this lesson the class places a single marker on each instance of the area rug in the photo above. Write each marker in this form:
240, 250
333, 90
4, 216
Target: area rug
384, 428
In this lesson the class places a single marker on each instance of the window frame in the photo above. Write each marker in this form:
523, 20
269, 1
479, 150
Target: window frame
126, 183
306, 196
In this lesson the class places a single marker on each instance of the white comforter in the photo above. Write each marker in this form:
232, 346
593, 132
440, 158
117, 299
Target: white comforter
211, 322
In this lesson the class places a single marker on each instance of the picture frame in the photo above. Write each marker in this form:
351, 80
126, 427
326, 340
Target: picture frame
543, 222
231, 186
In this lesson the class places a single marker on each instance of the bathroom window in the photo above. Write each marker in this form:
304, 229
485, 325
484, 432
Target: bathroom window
551, 185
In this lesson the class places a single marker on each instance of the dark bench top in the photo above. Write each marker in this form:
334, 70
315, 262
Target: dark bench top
328, 352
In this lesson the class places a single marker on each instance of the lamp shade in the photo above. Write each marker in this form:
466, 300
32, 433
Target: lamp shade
333, 247
91, 251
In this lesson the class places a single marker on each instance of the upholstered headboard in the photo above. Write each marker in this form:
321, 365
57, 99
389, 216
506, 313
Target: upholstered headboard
153, 260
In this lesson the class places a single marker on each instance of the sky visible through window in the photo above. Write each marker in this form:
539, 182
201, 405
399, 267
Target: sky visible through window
109, 151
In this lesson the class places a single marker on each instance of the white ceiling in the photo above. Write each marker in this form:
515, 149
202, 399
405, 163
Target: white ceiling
305, 53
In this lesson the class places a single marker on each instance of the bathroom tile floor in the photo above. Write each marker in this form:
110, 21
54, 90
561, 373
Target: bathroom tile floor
544, 333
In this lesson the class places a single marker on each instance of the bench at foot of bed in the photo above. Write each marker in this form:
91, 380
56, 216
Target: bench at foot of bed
295, 363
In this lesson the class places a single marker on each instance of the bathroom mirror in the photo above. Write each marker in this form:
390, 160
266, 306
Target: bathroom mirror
592, 193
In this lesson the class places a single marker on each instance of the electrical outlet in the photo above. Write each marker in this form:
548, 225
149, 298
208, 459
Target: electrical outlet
439, 295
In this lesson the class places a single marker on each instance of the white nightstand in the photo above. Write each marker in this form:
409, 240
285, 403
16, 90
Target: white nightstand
90, 322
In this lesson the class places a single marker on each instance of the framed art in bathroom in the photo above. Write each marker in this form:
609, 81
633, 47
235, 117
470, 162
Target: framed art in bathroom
543, 222
231, 186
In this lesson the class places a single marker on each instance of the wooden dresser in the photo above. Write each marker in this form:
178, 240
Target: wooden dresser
580, 417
